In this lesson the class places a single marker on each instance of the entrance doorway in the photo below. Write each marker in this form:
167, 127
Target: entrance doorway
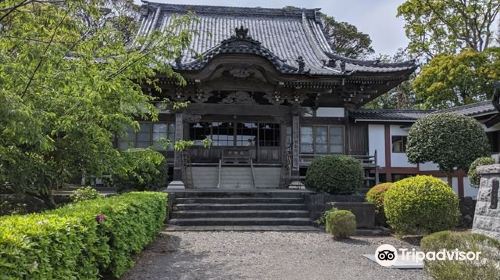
262, 140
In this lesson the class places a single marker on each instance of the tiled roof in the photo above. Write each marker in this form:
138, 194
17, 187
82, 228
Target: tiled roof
472, 110
389, 114
281, 35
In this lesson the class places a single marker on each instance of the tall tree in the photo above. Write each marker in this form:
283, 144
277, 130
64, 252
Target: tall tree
400, 97
456, 39
345, 38
457, 79
448, 26
69, 83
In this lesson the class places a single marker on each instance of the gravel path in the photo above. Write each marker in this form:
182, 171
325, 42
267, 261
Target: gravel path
264, 255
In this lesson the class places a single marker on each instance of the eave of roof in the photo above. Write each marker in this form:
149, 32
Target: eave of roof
373, 115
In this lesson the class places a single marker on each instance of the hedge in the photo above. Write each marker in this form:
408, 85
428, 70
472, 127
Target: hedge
85, 240
487, 267
376, 196
340, 223
335, 174
421, 205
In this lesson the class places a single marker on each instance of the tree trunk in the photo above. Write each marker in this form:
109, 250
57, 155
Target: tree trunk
450, 180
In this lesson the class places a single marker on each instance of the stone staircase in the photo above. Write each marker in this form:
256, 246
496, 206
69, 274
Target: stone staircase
236, 178
239, 210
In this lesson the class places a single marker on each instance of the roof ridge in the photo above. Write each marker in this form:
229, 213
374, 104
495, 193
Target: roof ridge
470, 105
394, 110
372, 63
242, 11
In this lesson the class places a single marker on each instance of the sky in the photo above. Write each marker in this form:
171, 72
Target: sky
377, 18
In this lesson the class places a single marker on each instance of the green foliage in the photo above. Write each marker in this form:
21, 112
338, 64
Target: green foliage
336, 174
472, 174
486, 268
142, 169
84, 193
71, 79
84, 240
420, 205
345, 39
376, 196
322, 220
341, 223
447, 26
458, 79
449, 140
400, 97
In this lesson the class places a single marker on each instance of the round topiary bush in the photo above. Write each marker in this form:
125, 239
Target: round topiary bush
473, 176
340, 223
336, 174
420, 205
376, 195
486, 268
450, 140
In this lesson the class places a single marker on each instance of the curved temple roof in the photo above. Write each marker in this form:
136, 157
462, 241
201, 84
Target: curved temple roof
291, 38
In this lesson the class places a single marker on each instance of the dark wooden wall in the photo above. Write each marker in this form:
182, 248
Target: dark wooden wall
358, 139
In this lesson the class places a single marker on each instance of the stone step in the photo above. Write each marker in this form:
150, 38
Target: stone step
238, 200
242, 222
241, 193
243, 206
242, 228
241, 214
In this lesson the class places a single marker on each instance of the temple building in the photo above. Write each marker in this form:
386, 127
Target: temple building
265, 86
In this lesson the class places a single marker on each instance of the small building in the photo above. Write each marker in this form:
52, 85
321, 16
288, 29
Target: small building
267, 89
387, 134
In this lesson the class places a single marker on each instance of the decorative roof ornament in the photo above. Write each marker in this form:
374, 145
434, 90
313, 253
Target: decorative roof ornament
342, 66
301, 62
241, 33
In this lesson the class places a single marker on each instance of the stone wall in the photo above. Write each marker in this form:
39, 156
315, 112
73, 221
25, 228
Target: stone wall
487, 214
317, 203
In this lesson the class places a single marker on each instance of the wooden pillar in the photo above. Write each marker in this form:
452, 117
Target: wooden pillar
460, 183
179, 135
295, 144
347, 131
388, 151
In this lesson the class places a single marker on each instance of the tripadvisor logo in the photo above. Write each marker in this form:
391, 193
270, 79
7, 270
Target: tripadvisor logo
387, 255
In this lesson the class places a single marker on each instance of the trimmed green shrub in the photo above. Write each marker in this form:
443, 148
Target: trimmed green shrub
83, 240
336, 174
450, 140
421, 205
322, 219
341, 223
473, 176
143, 169
84, 193
376, 196
486, 268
